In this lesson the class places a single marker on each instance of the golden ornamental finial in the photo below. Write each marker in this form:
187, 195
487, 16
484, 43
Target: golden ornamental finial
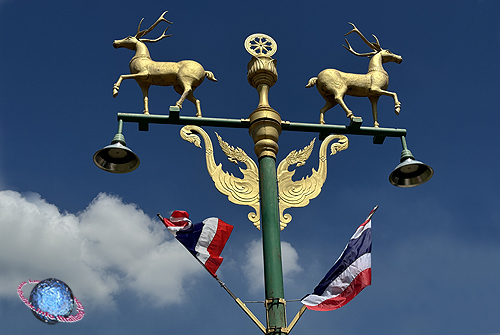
261, 68
260, 45
265, 122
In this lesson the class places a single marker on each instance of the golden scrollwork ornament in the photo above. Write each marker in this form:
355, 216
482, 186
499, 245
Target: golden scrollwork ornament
240, 191
245, 191
299, 193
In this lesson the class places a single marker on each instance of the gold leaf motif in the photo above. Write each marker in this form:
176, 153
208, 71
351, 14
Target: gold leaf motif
245, 191
240, 191
299, 193
234, 155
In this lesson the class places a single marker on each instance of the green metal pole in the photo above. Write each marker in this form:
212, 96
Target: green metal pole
270, 227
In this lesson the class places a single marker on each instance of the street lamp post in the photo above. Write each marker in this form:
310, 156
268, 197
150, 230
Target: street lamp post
265, 126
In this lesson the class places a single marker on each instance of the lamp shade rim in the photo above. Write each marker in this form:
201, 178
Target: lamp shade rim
116, 158
410, 173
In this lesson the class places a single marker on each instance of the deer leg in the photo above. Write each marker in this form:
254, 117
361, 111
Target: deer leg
196, 102
187, 90
145, 89
374, 100
136, 76
397, 104
339, 99
330, 102
116, 86
179, 89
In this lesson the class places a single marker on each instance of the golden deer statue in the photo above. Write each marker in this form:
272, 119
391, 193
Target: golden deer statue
185, 75
333, 84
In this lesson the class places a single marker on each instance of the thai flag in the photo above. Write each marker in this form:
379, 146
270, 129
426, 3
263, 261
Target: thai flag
350, 274
204, 240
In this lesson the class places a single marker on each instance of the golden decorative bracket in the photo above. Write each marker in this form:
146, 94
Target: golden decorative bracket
245, 191
298, 193
240, 191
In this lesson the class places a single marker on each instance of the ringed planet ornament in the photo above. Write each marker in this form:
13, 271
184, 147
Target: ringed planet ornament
52, 301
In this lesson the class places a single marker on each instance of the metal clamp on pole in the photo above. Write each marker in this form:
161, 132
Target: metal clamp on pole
283, 330
267, 304
289, 328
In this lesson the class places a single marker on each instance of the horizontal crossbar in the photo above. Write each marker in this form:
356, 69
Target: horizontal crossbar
324, 129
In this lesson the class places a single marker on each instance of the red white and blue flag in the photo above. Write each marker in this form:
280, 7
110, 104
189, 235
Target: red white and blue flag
205, 240
350, 274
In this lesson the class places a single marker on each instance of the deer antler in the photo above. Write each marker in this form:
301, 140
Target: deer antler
157, 39
374, 46
141, 33
350, 49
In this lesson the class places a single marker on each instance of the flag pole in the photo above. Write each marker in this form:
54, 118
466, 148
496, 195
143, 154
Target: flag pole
297, 317
369, 217
237, 300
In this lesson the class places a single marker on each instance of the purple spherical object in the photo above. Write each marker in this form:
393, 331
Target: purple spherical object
51, 298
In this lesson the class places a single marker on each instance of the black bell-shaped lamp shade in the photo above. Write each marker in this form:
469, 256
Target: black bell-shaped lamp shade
116, 158
410, 173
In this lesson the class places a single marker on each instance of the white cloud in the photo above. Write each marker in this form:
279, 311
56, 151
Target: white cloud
105, 249
254, 265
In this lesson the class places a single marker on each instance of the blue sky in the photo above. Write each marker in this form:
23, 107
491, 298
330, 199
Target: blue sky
435, 247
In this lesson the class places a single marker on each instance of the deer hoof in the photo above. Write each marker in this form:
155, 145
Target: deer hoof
376, 124
115, 91
397, 109
145, 112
